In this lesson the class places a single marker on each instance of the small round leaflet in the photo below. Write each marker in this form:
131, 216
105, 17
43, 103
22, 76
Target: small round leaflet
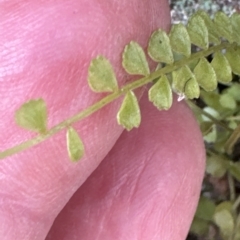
223, 26
216, 166
32, 115
222, 68
101, 76
191, 89
134, 60
213, 34
235, 21
129, 115
227, 101
160, 94
198, 31
233, 57
205, 209
180, 40
224, 220
205, 75
159, 48
234, 169
75, 145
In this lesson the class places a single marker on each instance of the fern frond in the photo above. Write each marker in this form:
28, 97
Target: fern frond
189, 72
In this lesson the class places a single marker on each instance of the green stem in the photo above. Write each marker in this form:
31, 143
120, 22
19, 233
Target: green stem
231, 187
233, 118
232, 140
236, 204
235, 233
213, 119
110, 98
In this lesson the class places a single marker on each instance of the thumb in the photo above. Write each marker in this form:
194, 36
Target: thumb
45, 50
146, 188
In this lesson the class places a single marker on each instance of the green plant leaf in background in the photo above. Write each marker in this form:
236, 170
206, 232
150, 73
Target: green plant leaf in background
232, 140
234, 169
212, 100
232, 124
224, 219
205, 127
159, 48
211, 136
205, 209
211, 111
216, 166
223, 26
180, 40
205, 75
160, 94
134, 60
75, 145
129, 115
227, 101
32, 115
235, 21
199, 226
234, 91
233, 57
225, 205
198, 31
222, 68
219, 144
101, 76
213, 34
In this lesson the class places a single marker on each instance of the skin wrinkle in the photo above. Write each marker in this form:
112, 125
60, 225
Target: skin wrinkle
50, 188
51, 51
136, 188
12, 212
125, 181
15, 200
148, 216
101, 228
162, 218
138, 175
174, 200
173, 173
9, 67
157, 191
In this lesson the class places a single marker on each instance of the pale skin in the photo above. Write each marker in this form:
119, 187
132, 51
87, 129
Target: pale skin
138, 185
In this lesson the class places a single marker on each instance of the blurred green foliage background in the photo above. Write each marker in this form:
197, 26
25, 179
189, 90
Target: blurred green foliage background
217, 216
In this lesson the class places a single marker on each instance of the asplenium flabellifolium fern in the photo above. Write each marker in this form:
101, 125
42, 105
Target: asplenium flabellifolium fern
179, 70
